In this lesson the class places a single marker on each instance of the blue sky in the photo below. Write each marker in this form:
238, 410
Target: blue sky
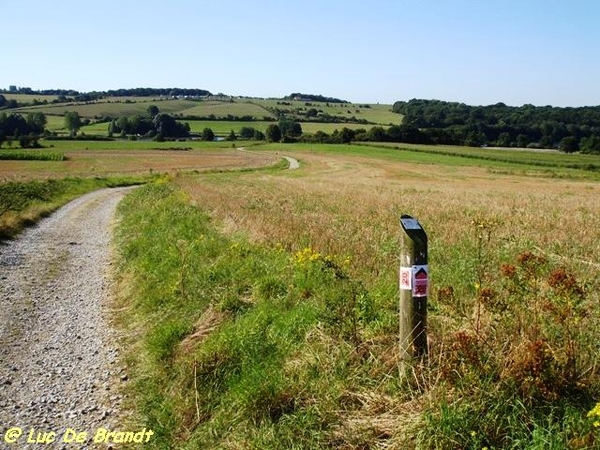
476, 52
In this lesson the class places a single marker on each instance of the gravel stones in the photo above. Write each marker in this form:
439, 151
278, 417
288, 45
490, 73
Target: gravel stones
59, 365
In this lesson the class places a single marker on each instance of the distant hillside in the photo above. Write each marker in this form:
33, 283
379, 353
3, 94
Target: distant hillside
64, 95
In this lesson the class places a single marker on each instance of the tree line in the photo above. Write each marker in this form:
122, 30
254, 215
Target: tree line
297, 96
70, 95
440, 122
26, 130
154, 124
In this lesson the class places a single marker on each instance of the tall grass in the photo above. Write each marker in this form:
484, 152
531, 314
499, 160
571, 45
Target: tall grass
236, 344
265, 315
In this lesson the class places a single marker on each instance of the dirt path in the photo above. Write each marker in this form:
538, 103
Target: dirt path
293, 162
58, 360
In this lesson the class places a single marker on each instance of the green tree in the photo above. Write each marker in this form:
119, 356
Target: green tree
273, 133
37, 122
377, 134
346, 135
258, 135
503, 140
569, 144
247, 132
208, 135
123, 125
232, 136
590, 144
72, 122
153, 110
290, 128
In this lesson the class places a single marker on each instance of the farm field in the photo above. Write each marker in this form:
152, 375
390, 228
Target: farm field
113, 108
280, 300
257, 108
116, 161
376, 113
221, 109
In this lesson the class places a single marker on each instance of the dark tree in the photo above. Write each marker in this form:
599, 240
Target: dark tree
208, 135
290, 128
569, 144
258, 135
273, 133
247, 132
377, 134
590, 144
167, 126
346, 135
153, 110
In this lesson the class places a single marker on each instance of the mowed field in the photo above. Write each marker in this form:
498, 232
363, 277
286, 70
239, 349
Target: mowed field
100, 161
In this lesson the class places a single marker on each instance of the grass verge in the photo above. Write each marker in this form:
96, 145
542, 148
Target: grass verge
24, 203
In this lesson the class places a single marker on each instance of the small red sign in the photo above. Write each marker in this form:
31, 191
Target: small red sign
420, 282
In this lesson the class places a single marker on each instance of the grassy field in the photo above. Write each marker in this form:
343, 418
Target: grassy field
113, 108
114, 160
29, 98
375, 113
221, 109
264, 303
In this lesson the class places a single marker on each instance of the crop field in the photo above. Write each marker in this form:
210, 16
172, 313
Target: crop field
267, 317
224, 127
221, 109
29, 98
375, 113
114, 108
107, 162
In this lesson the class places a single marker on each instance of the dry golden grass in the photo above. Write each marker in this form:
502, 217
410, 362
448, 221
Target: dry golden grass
87, 163
348, 205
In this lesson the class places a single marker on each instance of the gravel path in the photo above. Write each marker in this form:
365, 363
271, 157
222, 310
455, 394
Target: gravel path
294, 164
59, 365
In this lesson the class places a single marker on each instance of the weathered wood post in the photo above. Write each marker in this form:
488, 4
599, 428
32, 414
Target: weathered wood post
414, 287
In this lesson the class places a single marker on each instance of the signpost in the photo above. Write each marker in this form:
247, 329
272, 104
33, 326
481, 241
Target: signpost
414, 288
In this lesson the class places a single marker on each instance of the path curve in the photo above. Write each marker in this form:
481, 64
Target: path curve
58, 360
293, 162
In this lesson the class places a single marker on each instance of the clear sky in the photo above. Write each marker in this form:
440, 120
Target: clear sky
544, 52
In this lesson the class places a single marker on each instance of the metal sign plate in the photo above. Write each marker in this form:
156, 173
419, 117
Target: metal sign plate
410, 223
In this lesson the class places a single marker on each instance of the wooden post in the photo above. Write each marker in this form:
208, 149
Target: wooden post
414, 287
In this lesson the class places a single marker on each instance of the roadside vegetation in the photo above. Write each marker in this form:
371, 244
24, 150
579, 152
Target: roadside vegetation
24, 203
264, 306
